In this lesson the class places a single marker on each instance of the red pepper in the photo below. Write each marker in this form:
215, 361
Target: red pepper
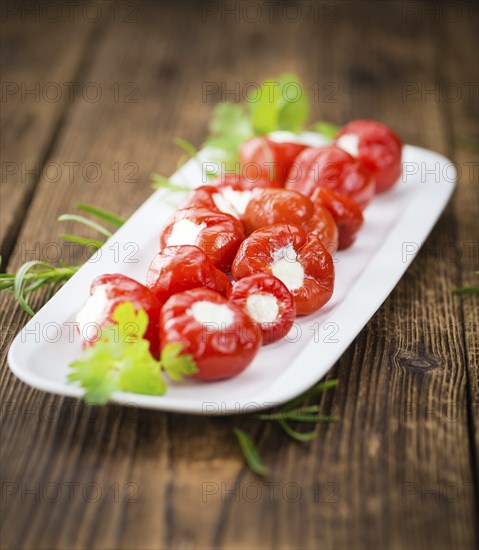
297, 258
377, 147
346, 213
179, 268
335, 169
106, 293
270, 206
261, 157
230, 199
217, 234
324, 226
220, 336
268, 302
240, 183
201, 197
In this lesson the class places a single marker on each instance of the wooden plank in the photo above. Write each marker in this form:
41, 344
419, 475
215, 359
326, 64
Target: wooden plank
460, 98
398, 470
41, 73
105, 133
364, 482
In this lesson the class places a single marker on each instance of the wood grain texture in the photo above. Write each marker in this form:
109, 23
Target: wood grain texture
400, 468
463, 115
42, 67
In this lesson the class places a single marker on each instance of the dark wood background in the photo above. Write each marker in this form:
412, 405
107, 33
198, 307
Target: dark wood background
400, 469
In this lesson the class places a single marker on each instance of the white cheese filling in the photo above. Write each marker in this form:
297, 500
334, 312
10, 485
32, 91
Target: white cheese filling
92, 314
231, 201
223, 205
287, 269
185, 232
209, 313
262, 307
282, 136
349, 143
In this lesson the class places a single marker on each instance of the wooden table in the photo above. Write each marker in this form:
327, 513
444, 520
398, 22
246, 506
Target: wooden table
92, 100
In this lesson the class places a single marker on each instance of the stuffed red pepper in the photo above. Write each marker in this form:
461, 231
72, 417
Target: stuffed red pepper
220, 336
295, 257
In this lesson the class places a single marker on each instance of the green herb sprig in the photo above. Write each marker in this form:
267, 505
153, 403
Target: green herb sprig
35, 275
278, 104
250, 452
120, 360
31, 277
467, 289
296, 410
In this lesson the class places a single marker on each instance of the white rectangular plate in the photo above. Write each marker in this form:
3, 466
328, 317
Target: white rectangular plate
396, 224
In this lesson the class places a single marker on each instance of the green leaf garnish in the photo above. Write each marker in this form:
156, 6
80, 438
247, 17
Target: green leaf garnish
176, 364
131, 326
121, 360
250, 452
94, 373
230, 126
282, 105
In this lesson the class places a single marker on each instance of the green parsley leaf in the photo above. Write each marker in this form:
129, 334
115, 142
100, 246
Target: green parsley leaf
121, 360
131, 326
264, 109
95, 374
294, 106
230, 126
177, 366
141, 374
282, 104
